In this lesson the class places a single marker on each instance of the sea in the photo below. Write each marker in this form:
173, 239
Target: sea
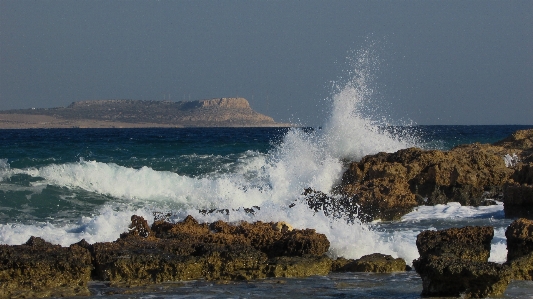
65, 185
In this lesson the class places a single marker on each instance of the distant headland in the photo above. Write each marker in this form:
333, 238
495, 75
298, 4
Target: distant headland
220, 112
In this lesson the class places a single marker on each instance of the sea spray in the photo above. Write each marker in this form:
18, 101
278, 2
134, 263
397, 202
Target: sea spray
273, 181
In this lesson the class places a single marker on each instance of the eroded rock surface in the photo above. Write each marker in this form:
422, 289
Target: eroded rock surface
444, 276
387, 186
216, 251
471, 242
520, 248
40, 269
376, 262
519, 238
453, 262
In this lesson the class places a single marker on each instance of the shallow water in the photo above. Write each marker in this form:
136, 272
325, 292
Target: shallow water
407, 285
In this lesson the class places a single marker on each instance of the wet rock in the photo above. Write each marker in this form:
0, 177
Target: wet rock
40, 269
217, 251
136, 261
466, 174
471, 242
138, 227
453, 262
274, 239
518, 194
444, 276
339, 264
297, 266
376, 262
519, 236
386, 186
518, 200
522, 267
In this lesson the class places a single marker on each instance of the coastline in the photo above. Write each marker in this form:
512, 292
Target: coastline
28, 121
210, 262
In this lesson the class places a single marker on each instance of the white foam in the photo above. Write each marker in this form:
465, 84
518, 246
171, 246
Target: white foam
271, 181
498, 249
453, 210
104, 227
510, 161
4, 169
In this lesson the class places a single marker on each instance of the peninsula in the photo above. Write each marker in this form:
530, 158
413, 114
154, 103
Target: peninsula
221, 112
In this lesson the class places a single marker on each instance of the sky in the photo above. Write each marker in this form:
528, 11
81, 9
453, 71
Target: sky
438, 62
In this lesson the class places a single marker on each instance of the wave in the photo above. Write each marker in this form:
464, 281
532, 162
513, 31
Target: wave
273, 181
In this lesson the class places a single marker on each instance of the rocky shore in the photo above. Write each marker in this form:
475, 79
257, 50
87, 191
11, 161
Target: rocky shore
387, 186
452, 262
175, 252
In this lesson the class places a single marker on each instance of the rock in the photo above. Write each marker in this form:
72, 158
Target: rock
521, 139
138, 227
518, 194
298, 266
376, 262
470, 243
265, 237
518, 201
217, 251
164, 252
282, 226
387, 186
523, 174
219, 112
40, 269
444, 276
519, 236
522, 267
453, 262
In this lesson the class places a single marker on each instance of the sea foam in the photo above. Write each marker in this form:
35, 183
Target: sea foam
273, 181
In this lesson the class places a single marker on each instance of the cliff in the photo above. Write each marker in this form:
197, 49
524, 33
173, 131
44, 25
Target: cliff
222, 112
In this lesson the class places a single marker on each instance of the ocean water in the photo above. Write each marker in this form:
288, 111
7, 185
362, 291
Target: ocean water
65, 185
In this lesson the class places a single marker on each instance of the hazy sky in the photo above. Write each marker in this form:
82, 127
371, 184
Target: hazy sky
441, 62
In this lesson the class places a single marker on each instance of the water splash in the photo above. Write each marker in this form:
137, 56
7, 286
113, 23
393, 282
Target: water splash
273, 181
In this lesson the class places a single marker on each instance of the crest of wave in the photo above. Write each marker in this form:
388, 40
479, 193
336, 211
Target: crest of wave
315, 159
352, 130
273, 181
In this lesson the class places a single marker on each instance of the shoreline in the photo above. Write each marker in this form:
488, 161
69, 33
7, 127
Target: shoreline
27, 121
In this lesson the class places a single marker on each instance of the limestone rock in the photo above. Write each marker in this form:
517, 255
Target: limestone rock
444, 276
521, 139
40, 269
219, 112
522, 267
266, 237
453, 262
388, 185
470, 243
217, 251
519, 238
297, 266
376, 262
518, 200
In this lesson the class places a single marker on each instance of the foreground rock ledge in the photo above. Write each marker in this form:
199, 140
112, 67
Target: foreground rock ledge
174, 252
454, 262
